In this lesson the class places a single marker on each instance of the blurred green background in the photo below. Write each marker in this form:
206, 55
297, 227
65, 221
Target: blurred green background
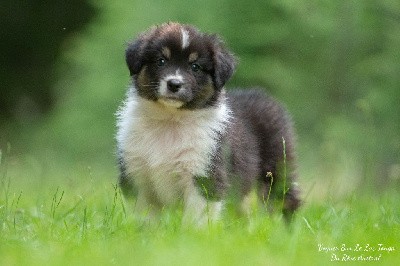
334, 64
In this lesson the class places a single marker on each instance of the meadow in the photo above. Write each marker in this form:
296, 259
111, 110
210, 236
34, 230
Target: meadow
80, 218
334, 64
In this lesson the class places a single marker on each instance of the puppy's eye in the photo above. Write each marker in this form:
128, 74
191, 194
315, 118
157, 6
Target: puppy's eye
195, 67
161, 62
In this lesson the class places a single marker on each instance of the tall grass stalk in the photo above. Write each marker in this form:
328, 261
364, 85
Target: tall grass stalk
207, 205
84, 223
56, 202
284, 174
266, 202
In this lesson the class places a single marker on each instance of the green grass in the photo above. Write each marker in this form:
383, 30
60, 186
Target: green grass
78, 217
55, 210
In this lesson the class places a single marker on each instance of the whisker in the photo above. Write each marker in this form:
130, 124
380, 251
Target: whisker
149, 85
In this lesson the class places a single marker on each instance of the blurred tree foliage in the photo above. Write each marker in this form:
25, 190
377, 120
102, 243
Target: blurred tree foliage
31, 40
335, 64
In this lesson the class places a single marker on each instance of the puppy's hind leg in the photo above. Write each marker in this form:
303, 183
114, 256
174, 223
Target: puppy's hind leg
291, 202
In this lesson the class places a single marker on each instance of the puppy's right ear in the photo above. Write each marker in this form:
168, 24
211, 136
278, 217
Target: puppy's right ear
134, 55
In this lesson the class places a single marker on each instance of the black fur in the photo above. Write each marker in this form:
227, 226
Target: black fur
125, 182
256, 141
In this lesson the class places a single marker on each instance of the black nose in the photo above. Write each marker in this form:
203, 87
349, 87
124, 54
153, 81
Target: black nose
174, 85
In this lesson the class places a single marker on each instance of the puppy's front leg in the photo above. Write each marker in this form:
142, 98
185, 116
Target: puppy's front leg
198, 211
146, 212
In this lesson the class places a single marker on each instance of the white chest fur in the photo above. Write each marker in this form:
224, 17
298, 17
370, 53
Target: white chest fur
164, 147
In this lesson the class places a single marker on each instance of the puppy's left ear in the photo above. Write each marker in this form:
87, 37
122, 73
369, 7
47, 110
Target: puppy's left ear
224, 63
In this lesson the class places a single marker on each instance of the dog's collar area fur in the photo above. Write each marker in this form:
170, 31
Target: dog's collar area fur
140, 111
169, 147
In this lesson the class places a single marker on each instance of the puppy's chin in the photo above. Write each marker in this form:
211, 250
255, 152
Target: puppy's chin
171, 103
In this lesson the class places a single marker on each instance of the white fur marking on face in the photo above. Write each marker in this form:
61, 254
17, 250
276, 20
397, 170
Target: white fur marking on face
163, 90
185, 39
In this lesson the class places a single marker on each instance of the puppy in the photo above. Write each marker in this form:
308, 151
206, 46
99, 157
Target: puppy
182, 138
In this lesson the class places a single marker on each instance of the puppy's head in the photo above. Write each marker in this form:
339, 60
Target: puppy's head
178, 66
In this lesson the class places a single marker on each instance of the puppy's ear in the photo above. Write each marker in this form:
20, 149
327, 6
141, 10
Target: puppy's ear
134, 53
224, 63
134, 56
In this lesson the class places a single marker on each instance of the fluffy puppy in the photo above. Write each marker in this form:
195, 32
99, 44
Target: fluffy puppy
182, 138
